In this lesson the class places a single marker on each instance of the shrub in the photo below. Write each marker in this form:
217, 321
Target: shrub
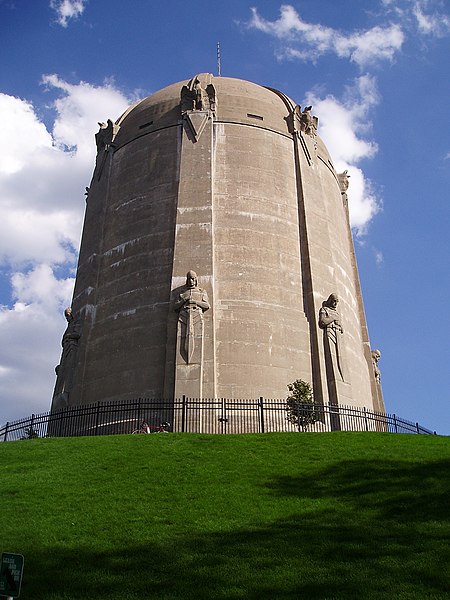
30, 434
300, 405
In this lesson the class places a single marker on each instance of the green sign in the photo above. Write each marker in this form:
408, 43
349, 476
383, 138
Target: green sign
11, 569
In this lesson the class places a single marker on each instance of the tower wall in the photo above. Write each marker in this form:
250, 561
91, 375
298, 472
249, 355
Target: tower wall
222, 177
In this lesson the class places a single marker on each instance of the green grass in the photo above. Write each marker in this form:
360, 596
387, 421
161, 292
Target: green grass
274, 516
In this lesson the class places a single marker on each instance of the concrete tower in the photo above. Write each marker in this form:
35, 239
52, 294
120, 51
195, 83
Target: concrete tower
216, 259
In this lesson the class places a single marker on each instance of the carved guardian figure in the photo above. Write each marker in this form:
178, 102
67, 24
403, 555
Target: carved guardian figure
330, 322
376, 355
65, 371
191, 305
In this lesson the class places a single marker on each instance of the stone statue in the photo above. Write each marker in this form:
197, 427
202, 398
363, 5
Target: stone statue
308, 123
376, 355
344, 182
200, 97
191, 304
330, 322
66, 369
105, 135
211, 93
104, 139
195, 97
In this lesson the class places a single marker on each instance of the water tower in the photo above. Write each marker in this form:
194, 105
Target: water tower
216, 259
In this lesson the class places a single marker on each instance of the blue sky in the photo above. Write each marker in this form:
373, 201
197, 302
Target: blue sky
377, 73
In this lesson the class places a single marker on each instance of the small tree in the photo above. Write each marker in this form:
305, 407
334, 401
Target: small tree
30, 434
300, 405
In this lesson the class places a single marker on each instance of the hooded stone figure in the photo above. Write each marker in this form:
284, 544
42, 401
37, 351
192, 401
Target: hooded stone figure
376, 355
330, 322
66, 369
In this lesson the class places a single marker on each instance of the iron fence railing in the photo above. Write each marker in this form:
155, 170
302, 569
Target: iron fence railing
201, 416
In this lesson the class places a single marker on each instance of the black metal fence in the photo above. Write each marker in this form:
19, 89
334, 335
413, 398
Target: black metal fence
200, 416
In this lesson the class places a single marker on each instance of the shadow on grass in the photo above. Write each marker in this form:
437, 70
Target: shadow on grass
362, 530
404, 491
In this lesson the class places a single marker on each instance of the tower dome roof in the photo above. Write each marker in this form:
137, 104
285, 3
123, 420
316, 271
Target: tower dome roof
238, 101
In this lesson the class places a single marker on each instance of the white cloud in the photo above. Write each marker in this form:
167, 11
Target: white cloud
41, 183
21, 125
305, 41
341, 124
67, 9
378, 43
79, 109
40, 287
42, 203
363, 203
379, 258
426, 17
33, 328
308, 41
435, 23
29, 235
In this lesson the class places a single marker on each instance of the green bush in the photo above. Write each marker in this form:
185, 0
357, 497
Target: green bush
30, 434
300, 405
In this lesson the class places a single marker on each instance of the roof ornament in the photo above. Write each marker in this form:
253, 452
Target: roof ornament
104, 139
308, 123
344, 182
198, 104
302, 120
196, 97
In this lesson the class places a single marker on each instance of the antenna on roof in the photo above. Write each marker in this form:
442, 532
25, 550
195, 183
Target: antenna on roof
218, 59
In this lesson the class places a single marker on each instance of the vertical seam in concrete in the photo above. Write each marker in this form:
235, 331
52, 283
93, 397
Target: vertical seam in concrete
305, 265
213, 253
170, 361
305, 259
169, 377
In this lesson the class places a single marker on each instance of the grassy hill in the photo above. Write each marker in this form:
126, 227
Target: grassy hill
274, 516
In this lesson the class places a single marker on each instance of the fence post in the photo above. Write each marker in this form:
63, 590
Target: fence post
261, 413
97, 417
395, 423
6, 431
223, 416
417, 427
365, 419
183, 414
60, 421
139, 413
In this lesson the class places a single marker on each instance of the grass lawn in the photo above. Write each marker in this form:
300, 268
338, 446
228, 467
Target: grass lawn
272, 516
